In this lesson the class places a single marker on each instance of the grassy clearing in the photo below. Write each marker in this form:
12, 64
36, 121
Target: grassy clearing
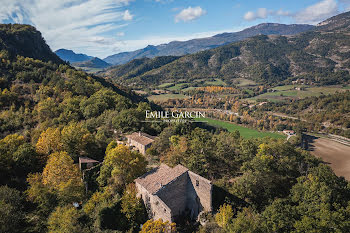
245, 132
289, 91
89, 69
165, 85
165, 97
217, 82
178, 87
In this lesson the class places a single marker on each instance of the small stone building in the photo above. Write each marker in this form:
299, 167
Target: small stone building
169, 193
141, 141
86, 163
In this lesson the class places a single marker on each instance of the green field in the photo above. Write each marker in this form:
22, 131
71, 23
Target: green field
178, 87
89, 69
241, 82
245, 132
217, 82
165, 97
165, 85
288, 91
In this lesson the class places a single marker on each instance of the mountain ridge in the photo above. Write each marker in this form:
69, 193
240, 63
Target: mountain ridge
179, 48
70, 56
321, 55
94, 62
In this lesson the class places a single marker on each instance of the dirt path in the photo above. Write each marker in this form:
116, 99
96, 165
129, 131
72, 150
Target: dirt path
337, 155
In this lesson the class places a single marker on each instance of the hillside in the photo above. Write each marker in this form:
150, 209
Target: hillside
71, 56
138, 67
319, 56
26, 41
179, 48
92, 63
37, 94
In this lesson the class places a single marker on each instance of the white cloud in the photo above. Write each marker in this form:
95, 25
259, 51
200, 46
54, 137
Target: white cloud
71, 24
120, 34
189, 14
127, 15
317, 12
263, 13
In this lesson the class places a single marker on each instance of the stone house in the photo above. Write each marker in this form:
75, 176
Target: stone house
141, 141
169, 193
289, 132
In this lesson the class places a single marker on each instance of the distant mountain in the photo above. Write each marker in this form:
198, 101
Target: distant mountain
138, 67
26, 41
320, 55
92, 63
179, 48
70, 56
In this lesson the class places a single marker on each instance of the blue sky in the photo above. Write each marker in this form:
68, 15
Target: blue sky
104, 27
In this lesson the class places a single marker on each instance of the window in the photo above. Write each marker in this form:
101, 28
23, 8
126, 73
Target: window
197, 183
164, 210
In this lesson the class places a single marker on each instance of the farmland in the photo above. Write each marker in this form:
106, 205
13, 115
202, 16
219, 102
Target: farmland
165, 97
245, 132
281, 93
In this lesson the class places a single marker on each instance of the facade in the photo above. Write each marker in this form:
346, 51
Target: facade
141, 141
169, 193
86, 163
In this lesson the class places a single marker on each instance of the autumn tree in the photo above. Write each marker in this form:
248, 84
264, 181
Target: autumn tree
121, 166
62, 175
224, 216
50, 141
158, 226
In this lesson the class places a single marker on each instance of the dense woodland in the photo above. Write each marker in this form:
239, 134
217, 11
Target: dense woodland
51, 114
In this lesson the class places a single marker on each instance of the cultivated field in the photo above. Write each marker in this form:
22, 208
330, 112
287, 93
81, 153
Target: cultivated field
289, 92
165, 97
337, 155
245, 132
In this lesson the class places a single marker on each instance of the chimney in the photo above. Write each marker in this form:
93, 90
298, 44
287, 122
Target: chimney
140, 133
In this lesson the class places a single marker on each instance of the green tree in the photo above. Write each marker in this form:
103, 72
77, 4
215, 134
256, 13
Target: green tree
132, 207
65, 220
12, 218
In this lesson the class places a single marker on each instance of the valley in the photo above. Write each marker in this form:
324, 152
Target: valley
85, 145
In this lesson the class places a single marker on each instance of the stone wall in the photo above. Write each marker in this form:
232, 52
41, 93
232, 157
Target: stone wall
141, 148
203, 189
174, 195
156, 208
188, 192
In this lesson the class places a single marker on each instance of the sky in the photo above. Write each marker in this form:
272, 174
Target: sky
105, 27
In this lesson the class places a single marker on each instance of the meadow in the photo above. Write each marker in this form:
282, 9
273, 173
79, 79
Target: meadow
245, 132
281, 93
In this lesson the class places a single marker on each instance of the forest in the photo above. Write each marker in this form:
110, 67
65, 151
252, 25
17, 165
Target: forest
52, 114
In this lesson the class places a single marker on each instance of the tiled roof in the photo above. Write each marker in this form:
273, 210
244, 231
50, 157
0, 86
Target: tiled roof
87, 160
158, 177
141, 138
